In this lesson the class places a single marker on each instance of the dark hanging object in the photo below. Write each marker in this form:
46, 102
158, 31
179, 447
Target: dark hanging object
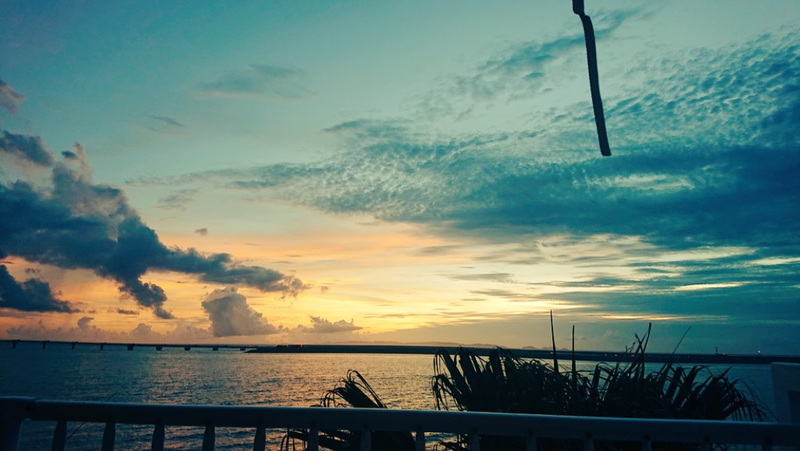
594, 82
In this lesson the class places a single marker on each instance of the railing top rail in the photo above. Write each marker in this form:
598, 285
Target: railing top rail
633, 429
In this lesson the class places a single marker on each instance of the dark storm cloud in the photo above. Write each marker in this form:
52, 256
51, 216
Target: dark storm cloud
230, 315
32, 295
258, 80
28, 148
9, 98
79, 224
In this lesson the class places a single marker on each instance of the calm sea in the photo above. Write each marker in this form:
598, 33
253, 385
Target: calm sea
225, 377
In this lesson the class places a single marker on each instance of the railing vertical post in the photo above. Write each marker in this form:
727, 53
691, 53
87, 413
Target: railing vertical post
60, 435
158, 437
108, 436
260, 442
9, 434
208, 438
474, 441
647, 445
588, 443
366, 440
530, 442
313, 439
419, 440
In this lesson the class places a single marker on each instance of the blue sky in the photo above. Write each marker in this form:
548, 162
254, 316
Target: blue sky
307, 171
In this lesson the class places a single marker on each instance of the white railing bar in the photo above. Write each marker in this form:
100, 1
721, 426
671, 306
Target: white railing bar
158, 436
419, 439
530, 442
208, 438
60, 435
260, 441
108, 436
9, 431
313, 439
548, 426
366, 440
474, 441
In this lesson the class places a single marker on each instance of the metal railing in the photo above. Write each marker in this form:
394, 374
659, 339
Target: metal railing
15, 410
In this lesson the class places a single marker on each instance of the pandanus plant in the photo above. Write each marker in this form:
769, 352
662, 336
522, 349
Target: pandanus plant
352, 391
502, 382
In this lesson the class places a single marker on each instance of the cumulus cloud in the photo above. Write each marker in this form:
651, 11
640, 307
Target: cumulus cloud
230, 315
9, 98
258, 80
321, 325
76, 223
27, 148
32, 295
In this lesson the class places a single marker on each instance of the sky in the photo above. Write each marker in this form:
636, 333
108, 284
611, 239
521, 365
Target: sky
410, 172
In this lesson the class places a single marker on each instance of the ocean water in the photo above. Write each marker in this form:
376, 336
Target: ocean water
224, 377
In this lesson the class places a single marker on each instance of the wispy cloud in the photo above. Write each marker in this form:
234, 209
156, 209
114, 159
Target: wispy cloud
177, 200
27, 148
10, 99
163, 124
260, 80
520, 71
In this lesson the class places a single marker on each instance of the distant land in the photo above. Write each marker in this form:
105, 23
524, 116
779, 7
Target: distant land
429, 349
586, 356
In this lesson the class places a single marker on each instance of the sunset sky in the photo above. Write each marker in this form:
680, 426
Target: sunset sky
414, 171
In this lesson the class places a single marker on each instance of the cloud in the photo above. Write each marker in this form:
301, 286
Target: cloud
86, 331
177, 200
122, 311
32, 295
520, 71
231, 316
321, 325
9, 98
27, 148
75, 223
682, 150
202, 232
258, 80
168, 121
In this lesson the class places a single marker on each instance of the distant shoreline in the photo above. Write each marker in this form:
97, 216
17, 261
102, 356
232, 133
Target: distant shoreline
586, 356
541, 354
